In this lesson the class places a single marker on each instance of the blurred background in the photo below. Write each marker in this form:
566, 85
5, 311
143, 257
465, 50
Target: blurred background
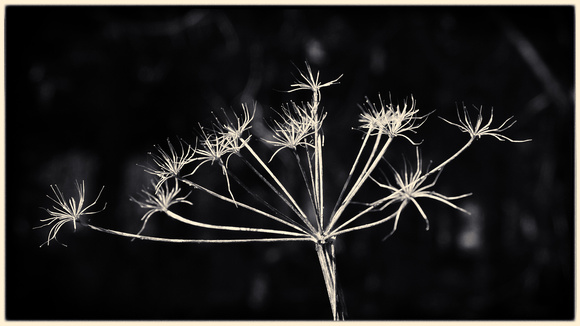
90, 90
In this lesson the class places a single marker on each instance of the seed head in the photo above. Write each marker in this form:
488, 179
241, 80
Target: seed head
67, 211
170, 164
308, 82
233, 130
296, 126
159, 200
409, 186
391, 120
478, 130
218, 146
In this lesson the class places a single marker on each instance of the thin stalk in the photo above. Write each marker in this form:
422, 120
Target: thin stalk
339, 209
350, 174
371, 207
312, 182
263, 201
318, 164
337, 231
359, 184
376, 161
318, 171
173, 240
454, 156
369, 160
301, 213
229, 228
306, 183
368, 225
327, 260
271, 186
224, 198
225, 173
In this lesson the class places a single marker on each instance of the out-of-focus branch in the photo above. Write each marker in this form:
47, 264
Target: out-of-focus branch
531, 56
168, 27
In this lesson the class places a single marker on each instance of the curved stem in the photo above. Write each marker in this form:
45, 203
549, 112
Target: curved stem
173, 240
368, 225
179, 218
239, 204
364, 176
337, 231
282, 216
301, 213
442, 165
280, 195
371, 207
313, 199
350, 174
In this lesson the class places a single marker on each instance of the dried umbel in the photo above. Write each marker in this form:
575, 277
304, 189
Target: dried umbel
65, 211
299, 130
169, 165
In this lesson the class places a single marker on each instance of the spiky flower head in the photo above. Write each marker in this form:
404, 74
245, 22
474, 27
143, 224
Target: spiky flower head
67, 211
232, 130
169, 164
224, 139
391, 120
309, 82
295, 127
478, 129
409, 186
159, 200
213, 146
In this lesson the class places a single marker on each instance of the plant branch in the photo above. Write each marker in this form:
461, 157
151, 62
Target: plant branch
301, 213
307, 184
174, 240
350, 174
363, 177
363, 226
239, 204
263, 201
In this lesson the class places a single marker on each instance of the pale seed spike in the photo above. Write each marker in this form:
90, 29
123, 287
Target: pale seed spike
446, 201
467, 118
479, 119
488, 124
502, 128
422, 212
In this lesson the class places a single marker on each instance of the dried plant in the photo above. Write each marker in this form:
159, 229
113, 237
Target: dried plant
299, 130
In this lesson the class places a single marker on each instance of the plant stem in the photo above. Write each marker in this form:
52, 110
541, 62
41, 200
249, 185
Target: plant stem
228, 228
327, 260
350, 174
318, 173
320, 178
368, 225
301, 213
442, 165
358, 184
173, 240
251, 208
313, 199
372, 206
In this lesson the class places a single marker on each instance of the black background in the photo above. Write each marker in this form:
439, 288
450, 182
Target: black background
90, 90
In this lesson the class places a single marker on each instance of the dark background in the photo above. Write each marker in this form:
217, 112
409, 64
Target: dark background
90, 90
